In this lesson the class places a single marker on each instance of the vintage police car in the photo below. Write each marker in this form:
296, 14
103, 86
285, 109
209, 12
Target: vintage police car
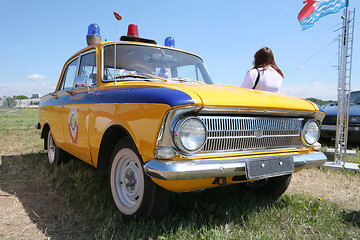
328, 129
150, 116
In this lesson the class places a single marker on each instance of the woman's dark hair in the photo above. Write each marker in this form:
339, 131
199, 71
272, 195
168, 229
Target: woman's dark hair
265, 57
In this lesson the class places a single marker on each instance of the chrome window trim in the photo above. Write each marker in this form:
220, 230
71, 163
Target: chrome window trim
93, 50
149, 45
77, 57
137, 44
65, 69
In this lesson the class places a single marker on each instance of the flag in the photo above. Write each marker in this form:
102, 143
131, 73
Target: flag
117, 16
315, 9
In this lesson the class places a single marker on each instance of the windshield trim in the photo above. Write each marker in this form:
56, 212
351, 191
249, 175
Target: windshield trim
357, 96
138, 44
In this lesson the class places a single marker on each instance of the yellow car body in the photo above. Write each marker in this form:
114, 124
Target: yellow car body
87, 119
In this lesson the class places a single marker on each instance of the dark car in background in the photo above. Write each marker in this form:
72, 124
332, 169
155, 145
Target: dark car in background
328, 128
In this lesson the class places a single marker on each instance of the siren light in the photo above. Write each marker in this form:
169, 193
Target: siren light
94, 30
133, 30
93, 34
170, 42
133, 35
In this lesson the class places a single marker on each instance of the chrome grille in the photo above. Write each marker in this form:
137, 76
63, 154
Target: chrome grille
249, 133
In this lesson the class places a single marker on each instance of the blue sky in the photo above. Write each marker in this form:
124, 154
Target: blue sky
38, 36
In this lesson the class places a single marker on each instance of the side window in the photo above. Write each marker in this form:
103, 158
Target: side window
69, 76
87, 70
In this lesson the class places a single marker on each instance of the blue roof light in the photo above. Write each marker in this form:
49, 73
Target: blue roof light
94, 30
170, 42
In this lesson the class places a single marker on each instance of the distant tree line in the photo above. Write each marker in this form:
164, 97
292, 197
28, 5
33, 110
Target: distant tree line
319, 101
21, 97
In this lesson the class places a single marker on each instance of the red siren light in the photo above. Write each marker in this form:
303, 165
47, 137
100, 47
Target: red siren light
133, 30
133, 35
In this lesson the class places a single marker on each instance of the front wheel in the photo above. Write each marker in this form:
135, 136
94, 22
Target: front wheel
133, 192
271, 187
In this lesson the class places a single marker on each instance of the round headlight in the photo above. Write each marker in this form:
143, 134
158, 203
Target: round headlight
355, 119
190, 134
311, 132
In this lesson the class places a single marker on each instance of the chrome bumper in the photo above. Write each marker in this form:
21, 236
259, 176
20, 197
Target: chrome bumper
214, 168
332, 128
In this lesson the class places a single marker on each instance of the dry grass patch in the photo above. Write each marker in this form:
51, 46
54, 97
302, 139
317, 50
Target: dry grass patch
337, 187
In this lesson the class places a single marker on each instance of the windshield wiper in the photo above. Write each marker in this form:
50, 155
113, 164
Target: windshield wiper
135, 75
146, 76
183, 79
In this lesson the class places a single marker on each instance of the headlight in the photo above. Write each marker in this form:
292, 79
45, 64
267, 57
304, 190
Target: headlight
190, 134
310, 133
355, 119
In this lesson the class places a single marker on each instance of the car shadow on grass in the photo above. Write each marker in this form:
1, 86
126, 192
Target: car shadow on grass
25, 177
353, 217
72, 201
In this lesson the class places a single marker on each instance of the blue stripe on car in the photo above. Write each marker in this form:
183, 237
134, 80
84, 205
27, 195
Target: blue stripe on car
171, 97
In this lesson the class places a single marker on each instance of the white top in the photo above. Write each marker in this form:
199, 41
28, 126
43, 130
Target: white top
270, 80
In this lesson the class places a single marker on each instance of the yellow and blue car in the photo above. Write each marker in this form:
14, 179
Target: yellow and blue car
150, 116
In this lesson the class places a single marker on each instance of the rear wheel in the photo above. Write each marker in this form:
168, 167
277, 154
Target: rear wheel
55, 154
271, 187
133, 192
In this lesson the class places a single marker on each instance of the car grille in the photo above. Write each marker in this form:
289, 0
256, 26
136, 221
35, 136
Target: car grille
331, 120
249, 133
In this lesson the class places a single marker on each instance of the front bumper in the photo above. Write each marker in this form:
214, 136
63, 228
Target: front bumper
214, 168
329, 131
332, 128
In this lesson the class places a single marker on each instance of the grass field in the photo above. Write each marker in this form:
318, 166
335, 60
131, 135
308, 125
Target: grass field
73, 202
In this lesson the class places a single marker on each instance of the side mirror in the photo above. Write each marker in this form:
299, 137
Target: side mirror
88, 83
83, 82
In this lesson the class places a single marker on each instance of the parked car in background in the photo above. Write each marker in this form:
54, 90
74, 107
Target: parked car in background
150, 116
330, 104
328, 128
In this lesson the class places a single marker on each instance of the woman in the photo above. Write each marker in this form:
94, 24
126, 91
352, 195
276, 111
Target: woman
265, 75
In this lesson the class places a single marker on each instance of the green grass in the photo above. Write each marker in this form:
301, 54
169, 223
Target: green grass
222, 213
18, 132
84, 208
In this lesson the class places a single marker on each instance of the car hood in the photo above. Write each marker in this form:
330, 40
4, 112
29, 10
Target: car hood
205, 95
354, 110
229, 96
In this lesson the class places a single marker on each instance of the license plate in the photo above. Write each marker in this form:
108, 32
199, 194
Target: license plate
269, 167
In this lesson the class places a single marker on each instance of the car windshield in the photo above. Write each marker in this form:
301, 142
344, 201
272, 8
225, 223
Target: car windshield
127, 62
355, 97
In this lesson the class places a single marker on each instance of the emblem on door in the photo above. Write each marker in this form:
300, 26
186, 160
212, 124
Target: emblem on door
73, 125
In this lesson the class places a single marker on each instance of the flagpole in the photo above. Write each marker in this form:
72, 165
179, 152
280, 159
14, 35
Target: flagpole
343, 95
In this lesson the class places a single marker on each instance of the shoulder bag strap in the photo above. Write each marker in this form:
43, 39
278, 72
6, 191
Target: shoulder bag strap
257, 78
